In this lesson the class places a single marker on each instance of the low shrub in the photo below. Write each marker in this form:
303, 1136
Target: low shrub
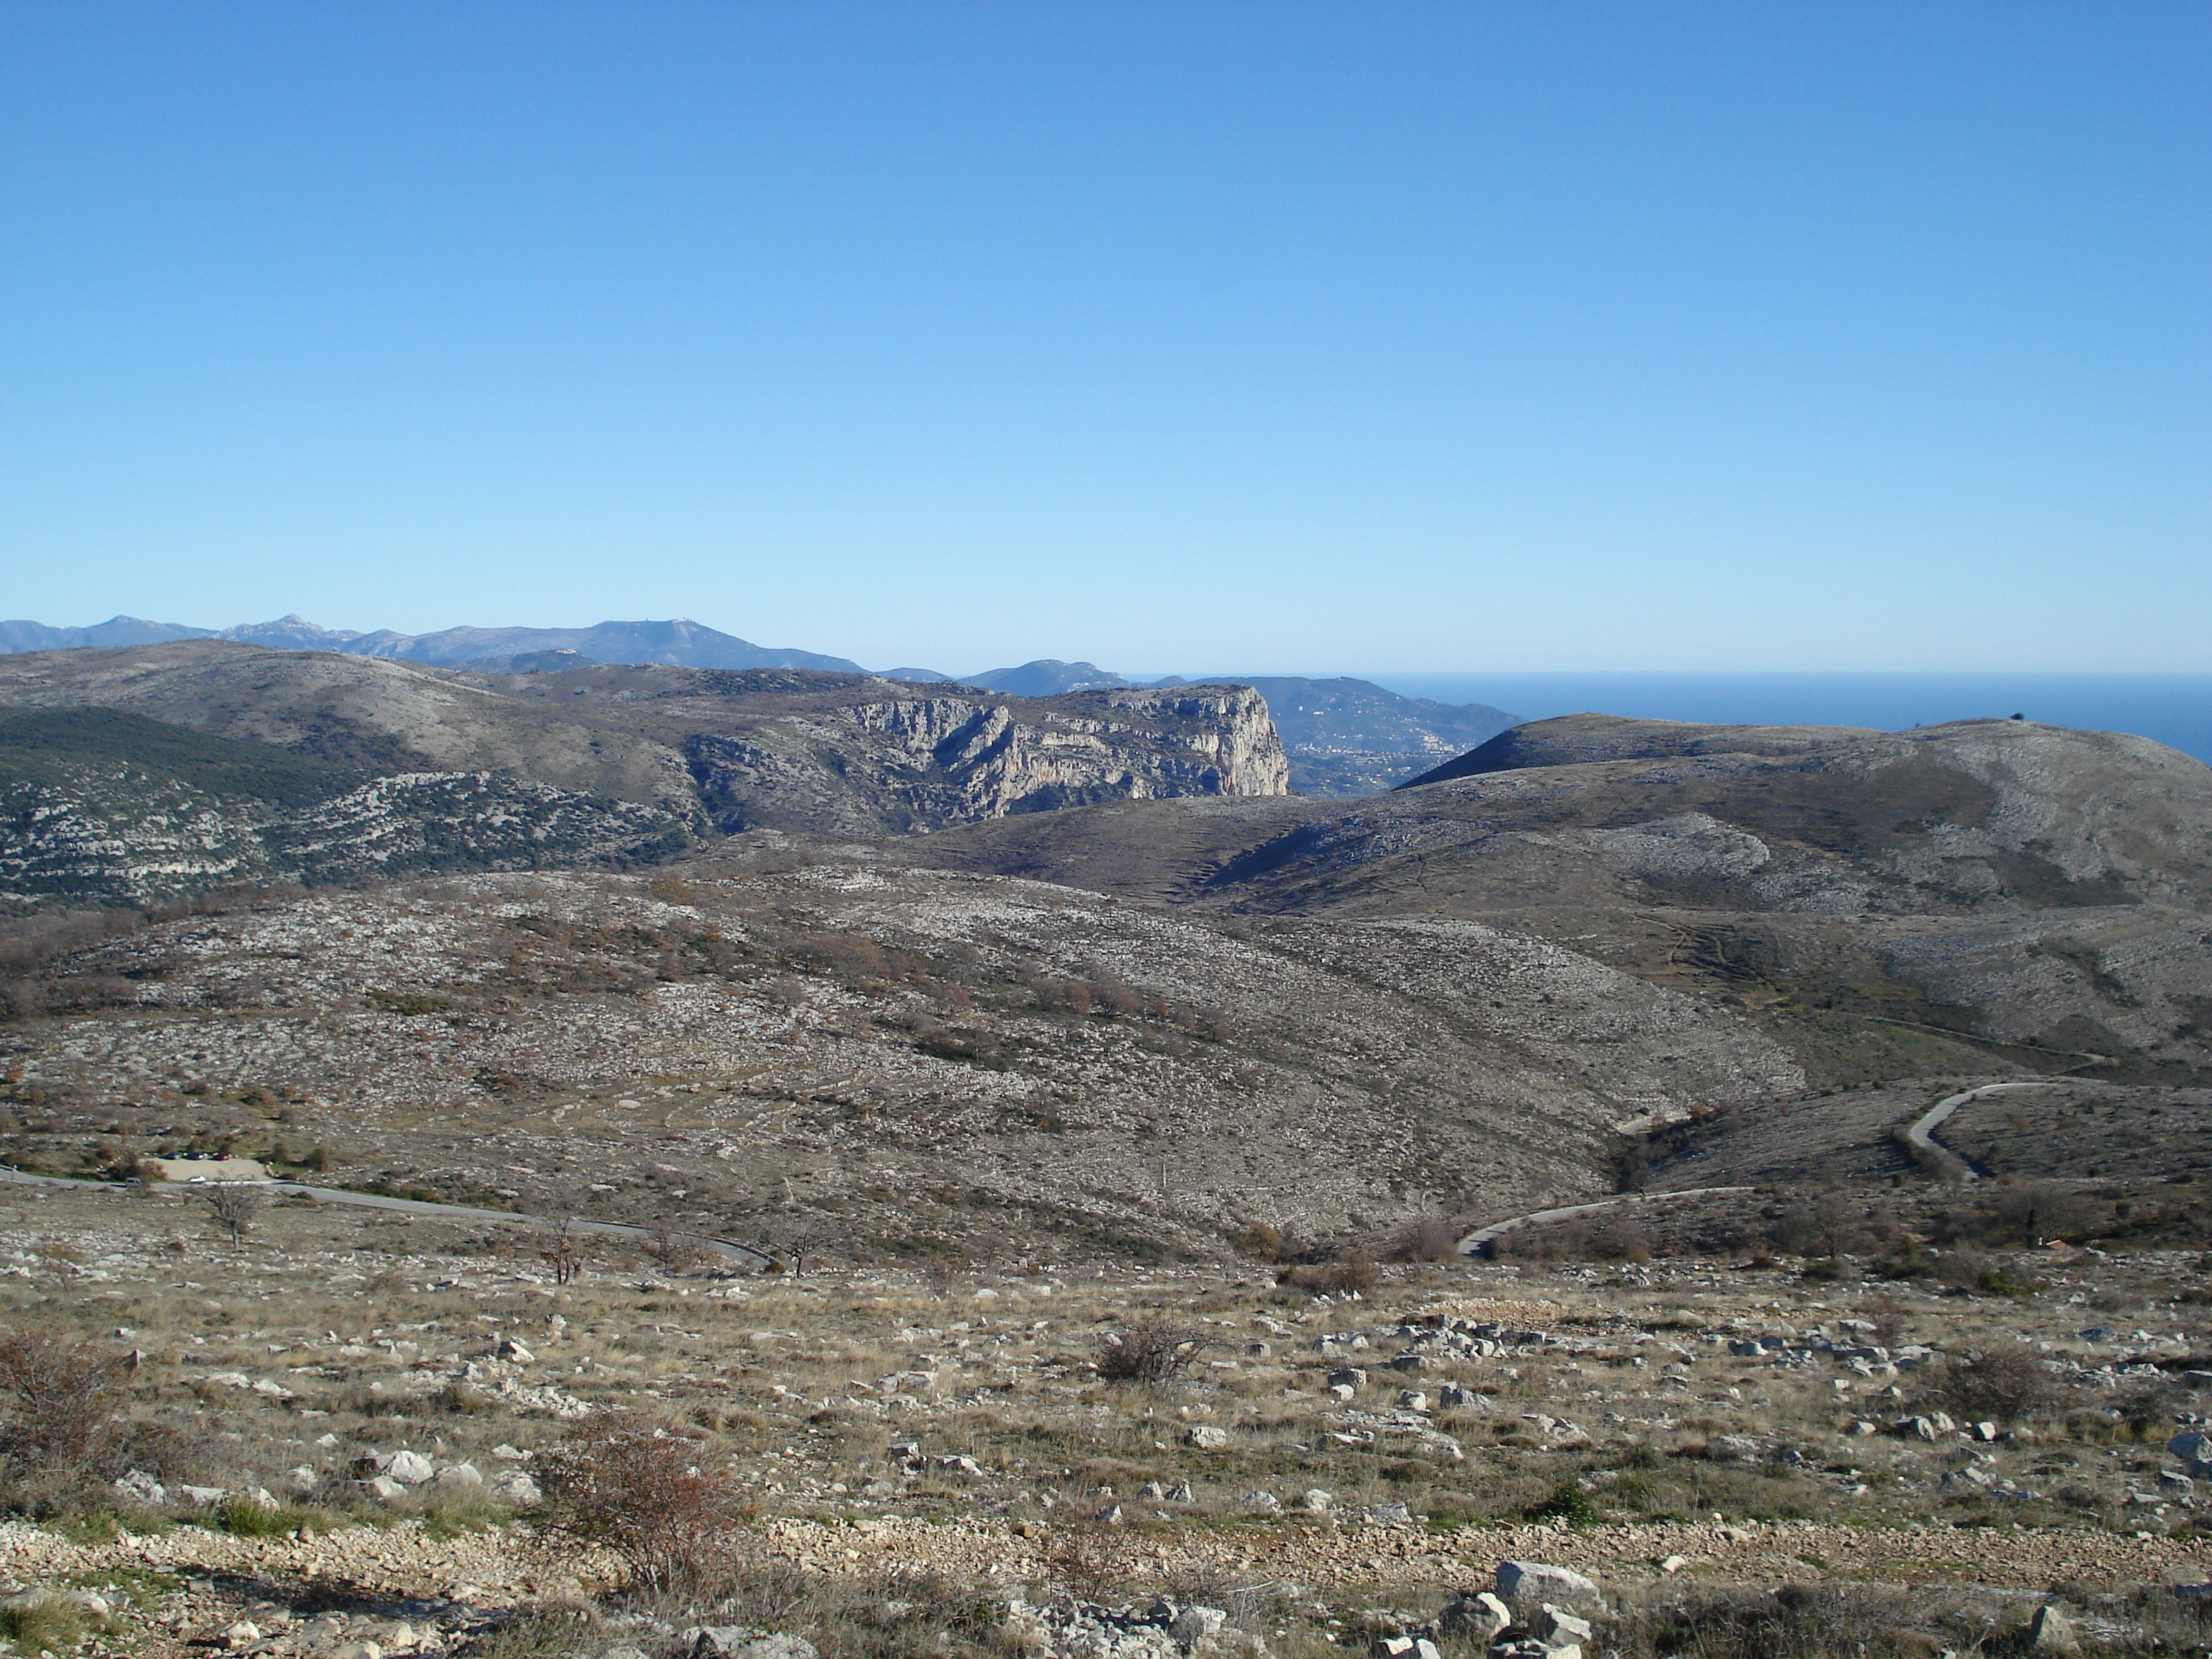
1148, 1351
538, 1630
1995, 1382
667, 1506
43, 1623
60, 1401
1565, 1502
1353, 1273
245, 1517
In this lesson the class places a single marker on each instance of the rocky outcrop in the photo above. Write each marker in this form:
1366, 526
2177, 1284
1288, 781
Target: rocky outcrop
125, 839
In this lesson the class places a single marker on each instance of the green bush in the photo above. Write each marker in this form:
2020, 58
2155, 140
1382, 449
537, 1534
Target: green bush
244, 1517
1569, 1503
45, 1624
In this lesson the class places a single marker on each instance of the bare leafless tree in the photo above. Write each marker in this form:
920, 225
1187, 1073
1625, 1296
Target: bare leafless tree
1435, 1238
563, 1254
791, 1238
61, 1400
675, 1249
1826, 1224
941, 1270
1151, 1349
2036, 1210
235, 1206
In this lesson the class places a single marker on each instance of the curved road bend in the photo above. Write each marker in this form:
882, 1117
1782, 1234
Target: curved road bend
1479, 1239
1919, 1135
1922, 1132
744, 1253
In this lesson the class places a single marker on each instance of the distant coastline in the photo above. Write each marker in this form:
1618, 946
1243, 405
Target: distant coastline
2174, 710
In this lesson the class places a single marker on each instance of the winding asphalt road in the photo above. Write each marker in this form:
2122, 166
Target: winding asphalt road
1921, 1134
1480, 1239
742, 1254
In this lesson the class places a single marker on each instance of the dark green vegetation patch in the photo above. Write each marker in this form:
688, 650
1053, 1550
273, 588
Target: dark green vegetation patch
53, 746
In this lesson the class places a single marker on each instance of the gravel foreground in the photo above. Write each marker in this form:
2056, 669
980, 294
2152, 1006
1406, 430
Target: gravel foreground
501, 1567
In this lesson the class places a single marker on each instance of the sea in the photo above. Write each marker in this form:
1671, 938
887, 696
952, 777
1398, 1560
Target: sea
2174, 710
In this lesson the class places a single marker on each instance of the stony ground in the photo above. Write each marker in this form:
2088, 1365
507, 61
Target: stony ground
1671, 1427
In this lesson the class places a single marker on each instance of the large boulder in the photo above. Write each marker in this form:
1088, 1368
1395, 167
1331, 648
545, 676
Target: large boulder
1477, 1618
1403, 1647
2052, 1631
1191, 1625
1527, 1584
140, 1487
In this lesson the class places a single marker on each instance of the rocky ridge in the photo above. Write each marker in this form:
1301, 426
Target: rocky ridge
424, 768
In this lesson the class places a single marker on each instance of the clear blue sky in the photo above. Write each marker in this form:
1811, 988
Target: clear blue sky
1361, 336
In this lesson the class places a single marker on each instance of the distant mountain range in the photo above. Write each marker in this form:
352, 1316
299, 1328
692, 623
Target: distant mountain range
680, 643
1344, 736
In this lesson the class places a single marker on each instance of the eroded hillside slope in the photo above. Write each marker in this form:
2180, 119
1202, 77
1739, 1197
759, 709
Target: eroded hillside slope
1865, 895
919, 1057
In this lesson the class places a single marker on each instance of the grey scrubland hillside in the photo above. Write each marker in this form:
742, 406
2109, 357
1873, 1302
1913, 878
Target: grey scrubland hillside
1987, 891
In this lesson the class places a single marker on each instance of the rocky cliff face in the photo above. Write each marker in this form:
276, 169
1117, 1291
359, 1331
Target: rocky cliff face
423, 768
920, 762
